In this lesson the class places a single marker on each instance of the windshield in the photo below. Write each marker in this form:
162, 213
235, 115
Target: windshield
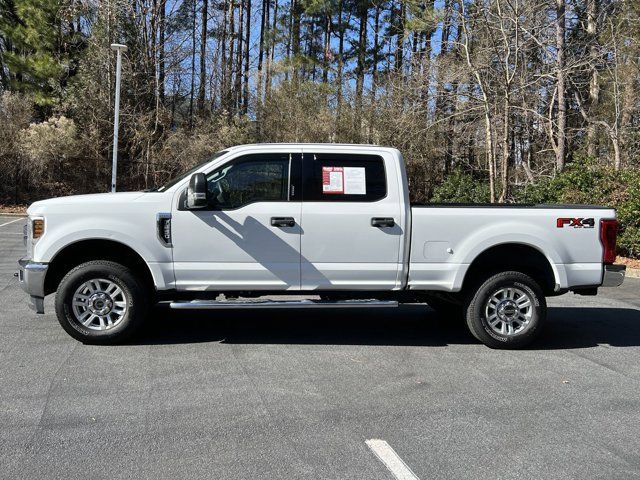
172, 182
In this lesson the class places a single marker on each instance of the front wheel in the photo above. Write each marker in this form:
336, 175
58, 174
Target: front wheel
506, 311
101, 302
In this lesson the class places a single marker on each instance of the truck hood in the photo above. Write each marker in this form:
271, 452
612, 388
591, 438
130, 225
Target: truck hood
84, 201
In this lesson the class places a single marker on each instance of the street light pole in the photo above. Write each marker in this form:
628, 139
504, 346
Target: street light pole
119, 48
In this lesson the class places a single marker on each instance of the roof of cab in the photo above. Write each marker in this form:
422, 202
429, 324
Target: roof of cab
311, 145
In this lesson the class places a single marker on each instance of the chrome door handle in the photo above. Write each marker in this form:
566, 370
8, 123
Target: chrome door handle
283, 222
383, 222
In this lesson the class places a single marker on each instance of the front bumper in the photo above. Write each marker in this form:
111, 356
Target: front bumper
31, 276
613, 275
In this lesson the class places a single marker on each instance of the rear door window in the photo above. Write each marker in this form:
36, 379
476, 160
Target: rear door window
329, 177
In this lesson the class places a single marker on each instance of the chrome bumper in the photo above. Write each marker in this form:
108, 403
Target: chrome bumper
613, 275
31, 276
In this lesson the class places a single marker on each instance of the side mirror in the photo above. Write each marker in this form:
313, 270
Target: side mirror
197, 192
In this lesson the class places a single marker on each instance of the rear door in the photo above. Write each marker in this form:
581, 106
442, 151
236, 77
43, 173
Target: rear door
351, 222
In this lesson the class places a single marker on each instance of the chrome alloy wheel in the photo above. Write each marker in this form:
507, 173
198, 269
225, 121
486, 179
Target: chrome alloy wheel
99, 304
508, 311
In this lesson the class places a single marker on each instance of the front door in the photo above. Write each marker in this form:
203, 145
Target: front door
351, 222
249, 236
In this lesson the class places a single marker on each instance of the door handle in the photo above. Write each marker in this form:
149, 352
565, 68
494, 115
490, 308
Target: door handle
384, 222
283, 222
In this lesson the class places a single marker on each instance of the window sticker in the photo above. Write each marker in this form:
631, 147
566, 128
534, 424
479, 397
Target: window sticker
355, 181
332, 180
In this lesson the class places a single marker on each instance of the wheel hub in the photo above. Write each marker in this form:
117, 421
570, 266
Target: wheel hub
507, 310
100, 304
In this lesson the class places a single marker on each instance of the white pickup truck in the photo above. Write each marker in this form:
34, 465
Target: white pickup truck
330, 224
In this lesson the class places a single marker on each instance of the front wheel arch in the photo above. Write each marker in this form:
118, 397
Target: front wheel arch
83, 251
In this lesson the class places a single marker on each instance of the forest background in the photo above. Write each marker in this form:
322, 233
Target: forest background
489, 100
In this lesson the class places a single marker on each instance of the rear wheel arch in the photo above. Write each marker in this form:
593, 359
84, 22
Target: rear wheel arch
519, 257
83, 251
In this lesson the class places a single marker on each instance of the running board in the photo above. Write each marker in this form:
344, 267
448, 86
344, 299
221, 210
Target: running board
213, 304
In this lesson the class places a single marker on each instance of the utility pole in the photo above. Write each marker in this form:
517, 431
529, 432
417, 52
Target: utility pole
119, 48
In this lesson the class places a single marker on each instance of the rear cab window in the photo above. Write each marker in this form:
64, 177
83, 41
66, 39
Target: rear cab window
340, 177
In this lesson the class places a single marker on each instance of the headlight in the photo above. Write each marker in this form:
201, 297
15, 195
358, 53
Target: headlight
37, 227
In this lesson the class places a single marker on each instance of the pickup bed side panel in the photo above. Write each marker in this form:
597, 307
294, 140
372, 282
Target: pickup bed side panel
446, 240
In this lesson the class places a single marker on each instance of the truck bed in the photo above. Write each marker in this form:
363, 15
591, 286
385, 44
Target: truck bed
446, 238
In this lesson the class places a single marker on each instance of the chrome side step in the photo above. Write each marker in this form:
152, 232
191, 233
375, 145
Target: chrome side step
249, 303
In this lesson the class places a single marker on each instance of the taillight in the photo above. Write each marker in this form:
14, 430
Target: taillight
608, 233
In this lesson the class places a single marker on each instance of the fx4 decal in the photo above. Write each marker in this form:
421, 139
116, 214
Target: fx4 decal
576, 222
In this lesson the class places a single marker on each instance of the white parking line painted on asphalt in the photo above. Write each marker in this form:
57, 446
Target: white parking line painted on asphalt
391, 459
12, 221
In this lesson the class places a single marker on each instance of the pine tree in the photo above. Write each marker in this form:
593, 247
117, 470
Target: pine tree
42, 48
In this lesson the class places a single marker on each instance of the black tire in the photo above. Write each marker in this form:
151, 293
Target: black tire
523, 330
133, 293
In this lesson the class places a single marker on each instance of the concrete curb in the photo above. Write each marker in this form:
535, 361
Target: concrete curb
632, 272
12, 214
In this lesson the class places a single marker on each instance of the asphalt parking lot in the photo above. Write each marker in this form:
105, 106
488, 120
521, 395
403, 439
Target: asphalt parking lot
290, 394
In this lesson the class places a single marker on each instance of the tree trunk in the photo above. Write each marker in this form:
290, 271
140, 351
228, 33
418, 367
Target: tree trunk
247, 40
161, 56
360, 68
629, 98
237, 90
506, 130
272, 50
296, 11
193, 65
489, 153
376, 53
400, 37
594, 83
617, 158
264, 24
203, 58
340, 57
228, 94
560, 79
326, 54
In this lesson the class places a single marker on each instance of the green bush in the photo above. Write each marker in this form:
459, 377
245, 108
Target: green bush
629, 242
461, 187
585, 183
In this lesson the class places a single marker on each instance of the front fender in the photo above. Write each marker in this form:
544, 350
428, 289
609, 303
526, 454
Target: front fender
139, 236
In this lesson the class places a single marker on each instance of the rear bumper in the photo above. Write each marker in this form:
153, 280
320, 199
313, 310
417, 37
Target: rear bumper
613, 275
31, 276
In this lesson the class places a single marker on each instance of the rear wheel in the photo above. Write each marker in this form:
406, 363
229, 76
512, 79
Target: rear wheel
506, 311
101, 302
